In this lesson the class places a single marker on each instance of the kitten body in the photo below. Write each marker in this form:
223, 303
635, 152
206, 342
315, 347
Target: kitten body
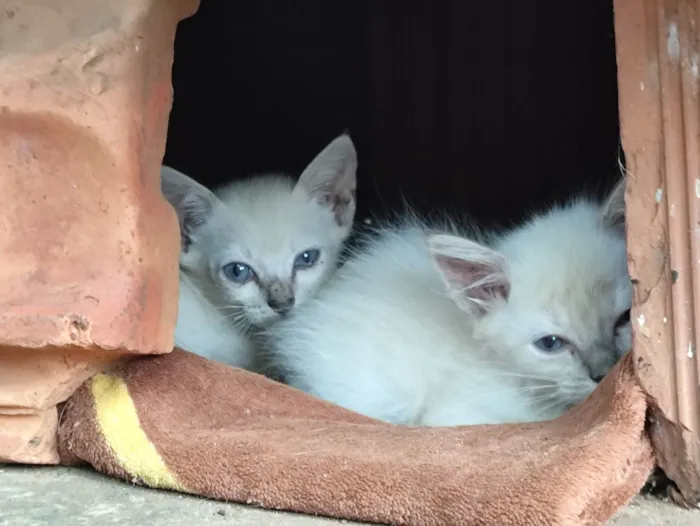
429, 327
205, 330
257, 248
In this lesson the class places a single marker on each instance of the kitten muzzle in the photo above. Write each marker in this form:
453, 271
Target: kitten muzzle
280, 297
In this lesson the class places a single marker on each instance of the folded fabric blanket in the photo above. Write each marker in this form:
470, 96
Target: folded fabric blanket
187, 424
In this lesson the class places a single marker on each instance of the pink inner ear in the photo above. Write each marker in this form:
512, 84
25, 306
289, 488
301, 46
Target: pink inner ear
338, 200
488, 279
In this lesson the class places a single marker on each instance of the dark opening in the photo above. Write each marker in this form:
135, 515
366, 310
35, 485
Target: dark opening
492, 108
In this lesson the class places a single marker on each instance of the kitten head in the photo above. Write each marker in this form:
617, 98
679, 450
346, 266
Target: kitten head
552, 299
259, 247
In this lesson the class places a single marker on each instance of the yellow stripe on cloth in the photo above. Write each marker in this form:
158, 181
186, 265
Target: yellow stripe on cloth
122, 432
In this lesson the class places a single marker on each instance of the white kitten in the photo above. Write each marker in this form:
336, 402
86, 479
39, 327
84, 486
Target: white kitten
206, 330
432, 328
257, 248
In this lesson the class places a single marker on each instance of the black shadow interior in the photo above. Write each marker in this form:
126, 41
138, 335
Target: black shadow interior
492, 108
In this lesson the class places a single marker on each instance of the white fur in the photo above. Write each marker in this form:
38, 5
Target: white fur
428, 327
264, 222
204, 330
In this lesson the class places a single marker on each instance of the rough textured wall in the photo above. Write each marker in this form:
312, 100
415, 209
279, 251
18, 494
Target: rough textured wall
89, 271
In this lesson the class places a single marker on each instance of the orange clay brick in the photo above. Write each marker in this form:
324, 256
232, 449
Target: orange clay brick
89, 246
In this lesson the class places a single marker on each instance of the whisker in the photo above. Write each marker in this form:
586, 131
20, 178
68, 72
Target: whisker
552, 405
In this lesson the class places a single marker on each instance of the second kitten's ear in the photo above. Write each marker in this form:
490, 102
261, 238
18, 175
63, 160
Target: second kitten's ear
331, 179
475, 275
193, 202
613, 208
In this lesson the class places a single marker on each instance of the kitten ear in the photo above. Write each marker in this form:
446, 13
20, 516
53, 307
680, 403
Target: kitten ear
475, 275
330, 179
613, 208
193, 202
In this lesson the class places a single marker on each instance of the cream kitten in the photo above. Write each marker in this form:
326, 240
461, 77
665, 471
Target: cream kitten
432, 328
257, 249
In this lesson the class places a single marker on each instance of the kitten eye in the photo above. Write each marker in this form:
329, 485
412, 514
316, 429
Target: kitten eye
551, 343
624, 319
238, 272
307, 258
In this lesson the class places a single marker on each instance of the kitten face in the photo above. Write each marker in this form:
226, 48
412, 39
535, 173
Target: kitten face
566, 320
553, 301
262, 246
267, 250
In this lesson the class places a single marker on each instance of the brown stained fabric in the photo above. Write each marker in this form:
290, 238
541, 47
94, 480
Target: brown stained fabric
79, 438
233, 435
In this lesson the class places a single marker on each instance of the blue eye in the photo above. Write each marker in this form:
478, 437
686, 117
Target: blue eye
238, 272
307, 259
551, 343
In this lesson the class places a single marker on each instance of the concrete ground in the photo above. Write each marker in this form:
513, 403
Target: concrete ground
77, 497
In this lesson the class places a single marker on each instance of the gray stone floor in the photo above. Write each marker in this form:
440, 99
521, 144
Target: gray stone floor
77, 497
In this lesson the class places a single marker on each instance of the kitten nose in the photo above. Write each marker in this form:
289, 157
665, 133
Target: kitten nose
601, 364
280, 297
281, 306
